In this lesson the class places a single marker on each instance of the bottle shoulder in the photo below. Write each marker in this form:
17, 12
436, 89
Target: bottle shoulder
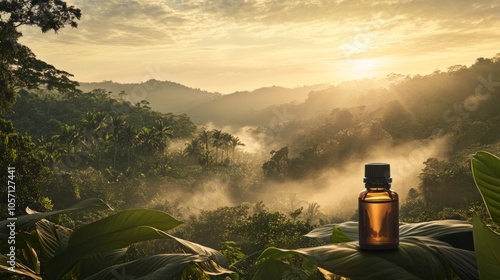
378, 195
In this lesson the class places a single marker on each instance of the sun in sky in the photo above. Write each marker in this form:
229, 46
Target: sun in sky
227, 46
363, 68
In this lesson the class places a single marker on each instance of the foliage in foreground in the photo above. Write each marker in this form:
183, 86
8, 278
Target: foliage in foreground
421, 245
94, 251
486, 172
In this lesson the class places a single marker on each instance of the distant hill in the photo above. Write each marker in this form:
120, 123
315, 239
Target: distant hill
163, 96
243, 108
203, 106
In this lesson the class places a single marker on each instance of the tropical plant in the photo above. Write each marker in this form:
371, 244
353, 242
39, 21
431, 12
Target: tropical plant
94, 251
204, 137
129, 139
164, 132
217, 142
444, 248
486, 172
235, 142
193, 149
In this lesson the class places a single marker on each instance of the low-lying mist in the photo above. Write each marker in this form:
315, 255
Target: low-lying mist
334, 190
335, 131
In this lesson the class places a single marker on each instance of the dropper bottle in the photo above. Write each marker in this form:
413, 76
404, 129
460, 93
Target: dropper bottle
378, 210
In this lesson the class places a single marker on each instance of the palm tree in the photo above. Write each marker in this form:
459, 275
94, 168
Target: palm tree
128, 137
164, 131
312, 212
150, 140
235, 142
216, 142
225, 143
204, 138
92, 126
193, 149
67, 137
116, 125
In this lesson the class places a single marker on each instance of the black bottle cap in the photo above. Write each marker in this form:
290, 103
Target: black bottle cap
377, 173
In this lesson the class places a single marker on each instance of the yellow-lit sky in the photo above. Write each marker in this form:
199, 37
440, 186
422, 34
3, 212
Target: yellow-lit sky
230, 45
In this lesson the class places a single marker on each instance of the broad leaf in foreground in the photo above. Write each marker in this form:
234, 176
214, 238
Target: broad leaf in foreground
165, 266
99, 261
113, 232
20, 268
456, 233
25, 221
53, 238
198, 249
486, 173
406, 262
487, 244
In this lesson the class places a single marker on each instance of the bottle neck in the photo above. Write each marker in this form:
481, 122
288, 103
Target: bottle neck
378, 186
377, 182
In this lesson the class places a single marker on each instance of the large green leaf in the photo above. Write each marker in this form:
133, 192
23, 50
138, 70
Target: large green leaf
343, 232
20, 269
99, 261
116, 231
406, 262
276, 269
456, 233
486, 172
487, 245
195, 248
53, 238
25, 221
124, 220
165, 266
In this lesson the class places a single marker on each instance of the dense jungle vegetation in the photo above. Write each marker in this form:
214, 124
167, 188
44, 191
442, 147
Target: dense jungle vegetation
69, 145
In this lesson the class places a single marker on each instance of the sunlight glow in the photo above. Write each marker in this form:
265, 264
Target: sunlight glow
359, 68
364, 65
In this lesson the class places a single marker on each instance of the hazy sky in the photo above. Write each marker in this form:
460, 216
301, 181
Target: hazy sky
229, 45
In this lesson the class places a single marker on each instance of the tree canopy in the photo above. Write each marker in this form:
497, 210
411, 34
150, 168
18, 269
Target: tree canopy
19, 66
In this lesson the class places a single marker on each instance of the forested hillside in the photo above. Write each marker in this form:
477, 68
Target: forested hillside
101, 134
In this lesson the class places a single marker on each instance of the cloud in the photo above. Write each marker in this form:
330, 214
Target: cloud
135, 22
205, 41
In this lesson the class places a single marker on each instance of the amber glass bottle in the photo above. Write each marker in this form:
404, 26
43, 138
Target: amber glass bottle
378, 210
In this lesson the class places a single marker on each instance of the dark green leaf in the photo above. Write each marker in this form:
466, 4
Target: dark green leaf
275, 269
20, 268
487, 245
99, 261
406, 262
53, 238
124, 220
347, 231
25, 221
155, 267
486, 172
456, 233
195, 248
113, 232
